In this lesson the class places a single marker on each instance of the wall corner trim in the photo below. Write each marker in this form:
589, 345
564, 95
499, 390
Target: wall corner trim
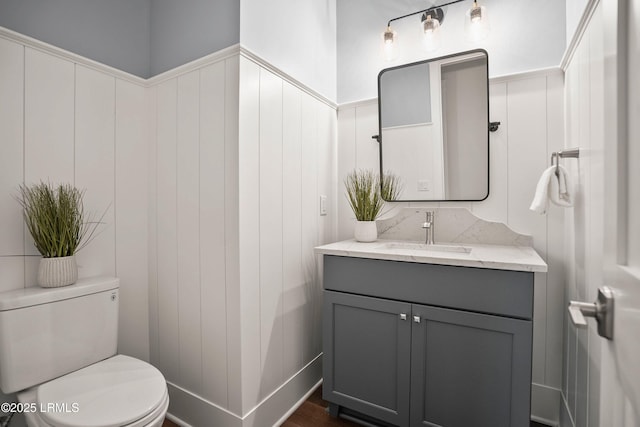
246, 53
356, 104
529, 74
41, 46
577, 36
212, 58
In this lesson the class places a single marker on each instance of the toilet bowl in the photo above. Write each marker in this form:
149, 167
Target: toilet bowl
58, 352
119, 391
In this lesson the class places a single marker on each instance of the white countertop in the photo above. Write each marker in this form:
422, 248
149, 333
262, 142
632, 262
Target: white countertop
497, 257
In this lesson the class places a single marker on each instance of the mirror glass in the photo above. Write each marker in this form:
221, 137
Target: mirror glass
434, 127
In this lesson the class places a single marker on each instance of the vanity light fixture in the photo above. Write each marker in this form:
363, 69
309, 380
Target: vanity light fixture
389, 44
476, 27
476, 23
431, 28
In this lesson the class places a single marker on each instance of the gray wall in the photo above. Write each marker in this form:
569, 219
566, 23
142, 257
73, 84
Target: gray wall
523, 36
113, 32
185, 30
142, 37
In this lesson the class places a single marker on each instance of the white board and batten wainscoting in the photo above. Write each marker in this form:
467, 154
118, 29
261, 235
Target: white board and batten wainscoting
211, 176
66, 119
243, 154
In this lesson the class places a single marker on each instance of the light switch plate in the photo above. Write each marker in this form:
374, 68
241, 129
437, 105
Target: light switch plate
323, 205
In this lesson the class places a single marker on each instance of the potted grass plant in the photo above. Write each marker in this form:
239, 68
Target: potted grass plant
366, 192
60, 227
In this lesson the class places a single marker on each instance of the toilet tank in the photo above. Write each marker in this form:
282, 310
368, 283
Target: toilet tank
48, 332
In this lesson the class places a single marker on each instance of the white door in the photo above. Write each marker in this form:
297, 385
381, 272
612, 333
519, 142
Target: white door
620, 357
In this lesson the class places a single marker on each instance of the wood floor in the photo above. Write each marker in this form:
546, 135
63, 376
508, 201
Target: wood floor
312, 414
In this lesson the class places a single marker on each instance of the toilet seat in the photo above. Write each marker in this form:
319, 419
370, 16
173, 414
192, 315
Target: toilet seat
119, 391
154, 419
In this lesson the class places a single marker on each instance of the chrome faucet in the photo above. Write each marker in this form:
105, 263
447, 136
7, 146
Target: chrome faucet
429, 227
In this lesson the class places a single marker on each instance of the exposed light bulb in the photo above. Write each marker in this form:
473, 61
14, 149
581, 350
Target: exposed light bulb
475, 13
431, 28
389, 44
476, 23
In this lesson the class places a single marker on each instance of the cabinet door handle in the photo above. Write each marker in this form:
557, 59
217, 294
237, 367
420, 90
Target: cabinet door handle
416, 319
403, 316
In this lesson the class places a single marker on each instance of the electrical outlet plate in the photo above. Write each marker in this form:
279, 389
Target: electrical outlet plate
424, 185
323, 205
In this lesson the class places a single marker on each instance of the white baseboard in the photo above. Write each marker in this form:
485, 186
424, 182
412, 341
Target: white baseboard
545, 404
287, 397
188, 409
177, 420
566, 420
299, 403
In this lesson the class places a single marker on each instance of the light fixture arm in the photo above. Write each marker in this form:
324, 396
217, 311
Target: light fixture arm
429, 9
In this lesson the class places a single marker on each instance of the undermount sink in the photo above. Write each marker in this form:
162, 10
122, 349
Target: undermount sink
425, 247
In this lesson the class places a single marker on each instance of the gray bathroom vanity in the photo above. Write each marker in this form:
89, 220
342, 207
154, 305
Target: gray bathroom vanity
428, 336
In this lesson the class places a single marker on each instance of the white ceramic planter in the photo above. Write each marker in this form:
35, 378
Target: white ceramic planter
56, 272
366, 231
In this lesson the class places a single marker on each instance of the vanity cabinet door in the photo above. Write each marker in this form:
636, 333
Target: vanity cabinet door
367, 348
469, 369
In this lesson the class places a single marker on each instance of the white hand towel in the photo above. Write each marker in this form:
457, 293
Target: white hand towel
559, 189
552, 187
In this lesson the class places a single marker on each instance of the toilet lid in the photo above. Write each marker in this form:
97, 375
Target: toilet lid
114, 392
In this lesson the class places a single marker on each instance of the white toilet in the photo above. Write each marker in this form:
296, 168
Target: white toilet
58, 351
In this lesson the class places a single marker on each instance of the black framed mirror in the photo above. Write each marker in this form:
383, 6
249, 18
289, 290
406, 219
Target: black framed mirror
433, 119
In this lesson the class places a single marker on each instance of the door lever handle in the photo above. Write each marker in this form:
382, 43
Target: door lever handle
601, 310
579, 311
